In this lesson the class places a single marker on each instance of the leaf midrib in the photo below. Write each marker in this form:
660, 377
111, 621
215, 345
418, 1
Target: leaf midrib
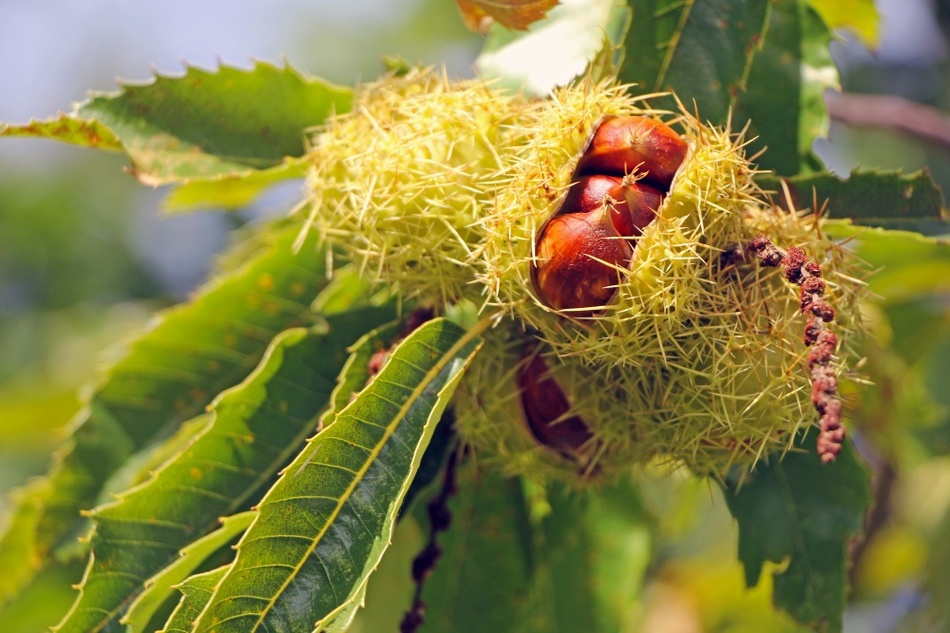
430, 376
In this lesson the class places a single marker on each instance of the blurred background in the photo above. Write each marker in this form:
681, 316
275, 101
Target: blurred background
86, 253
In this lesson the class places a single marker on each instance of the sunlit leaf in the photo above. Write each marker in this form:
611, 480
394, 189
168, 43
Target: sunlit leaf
512, 14
801, 512
208, 125
161, 585
232, 190
141, 466
859, 16
555, 49
906, 265
323, 527
256, 427
169, 374
196, 591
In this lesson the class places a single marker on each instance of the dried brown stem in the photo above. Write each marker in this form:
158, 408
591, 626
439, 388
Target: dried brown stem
440, 520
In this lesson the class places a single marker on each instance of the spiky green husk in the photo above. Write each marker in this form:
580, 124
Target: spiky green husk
400, 184
438, 190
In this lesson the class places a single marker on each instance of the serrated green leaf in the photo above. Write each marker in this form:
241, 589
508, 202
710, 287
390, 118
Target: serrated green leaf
783, 97
857, 15
231, 190
390, 589
256, 428
212, 127
169, 375
799, 511
355, 373
68, 129
206, 124
160, 586
323, 527
483, 578
908, 266
554, 50
701, 49
196, 591
867, 197
139, 467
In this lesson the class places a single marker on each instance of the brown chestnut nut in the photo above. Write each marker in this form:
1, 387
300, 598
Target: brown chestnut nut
589, 193
545, 408
632, 205
578, 261
637, 209
622, 144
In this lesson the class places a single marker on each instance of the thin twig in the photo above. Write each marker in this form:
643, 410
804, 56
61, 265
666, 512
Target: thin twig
891, 112
440, 520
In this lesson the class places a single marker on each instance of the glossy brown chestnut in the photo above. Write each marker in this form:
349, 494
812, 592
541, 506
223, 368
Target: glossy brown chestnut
621, 145
545, 408
632, 206
638, 209
577, 260
589, 193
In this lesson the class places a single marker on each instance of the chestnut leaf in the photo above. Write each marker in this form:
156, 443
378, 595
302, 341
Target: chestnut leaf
889, 199
229, 132
702, 50
783, 98
254, 429
322, 528
162, 585
486, 559
196, 591
169, 374
797, 510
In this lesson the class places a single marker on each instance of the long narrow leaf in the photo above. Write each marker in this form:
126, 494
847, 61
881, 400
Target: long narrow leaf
202, 124
160, 586
872, 197
323, 527
257, 427
170, 374
196, 591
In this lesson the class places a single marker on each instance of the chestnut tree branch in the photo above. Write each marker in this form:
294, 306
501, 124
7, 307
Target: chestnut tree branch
922, 121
